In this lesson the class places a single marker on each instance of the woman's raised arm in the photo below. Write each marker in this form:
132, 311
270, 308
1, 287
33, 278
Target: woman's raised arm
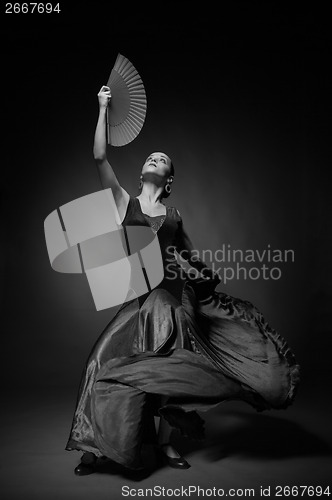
107, 176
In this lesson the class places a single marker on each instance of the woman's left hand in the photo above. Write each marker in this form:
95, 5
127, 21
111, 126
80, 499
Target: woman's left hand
209, 274
204, 286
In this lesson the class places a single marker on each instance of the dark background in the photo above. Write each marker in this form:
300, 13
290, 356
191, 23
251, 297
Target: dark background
238, 97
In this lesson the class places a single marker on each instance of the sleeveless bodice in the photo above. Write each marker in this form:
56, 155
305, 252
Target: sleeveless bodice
168, 229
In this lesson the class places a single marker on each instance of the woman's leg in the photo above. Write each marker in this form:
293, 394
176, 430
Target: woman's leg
164, 433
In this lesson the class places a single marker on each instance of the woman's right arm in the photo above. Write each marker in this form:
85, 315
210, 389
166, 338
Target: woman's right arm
107, 176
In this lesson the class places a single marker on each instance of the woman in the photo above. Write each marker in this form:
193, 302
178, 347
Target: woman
179, 348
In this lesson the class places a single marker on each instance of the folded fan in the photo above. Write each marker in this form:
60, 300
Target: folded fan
127, 109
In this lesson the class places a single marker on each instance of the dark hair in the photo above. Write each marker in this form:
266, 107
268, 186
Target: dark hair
172, 172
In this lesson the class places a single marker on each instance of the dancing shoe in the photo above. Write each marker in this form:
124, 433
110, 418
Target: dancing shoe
87, 465
175, 462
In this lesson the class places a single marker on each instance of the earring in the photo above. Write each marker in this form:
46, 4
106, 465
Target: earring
140, 185
168, 188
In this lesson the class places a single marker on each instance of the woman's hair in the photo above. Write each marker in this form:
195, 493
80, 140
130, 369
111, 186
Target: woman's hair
172, 172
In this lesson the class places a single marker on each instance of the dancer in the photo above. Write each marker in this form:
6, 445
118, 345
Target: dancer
180, 348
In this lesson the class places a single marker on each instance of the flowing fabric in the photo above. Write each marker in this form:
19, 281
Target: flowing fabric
182, 341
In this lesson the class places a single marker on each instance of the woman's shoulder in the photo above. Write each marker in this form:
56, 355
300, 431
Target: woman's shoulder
176, 216
175, 212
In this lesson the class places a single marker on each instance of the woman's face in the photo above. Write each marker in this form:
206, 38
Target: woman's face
158, 163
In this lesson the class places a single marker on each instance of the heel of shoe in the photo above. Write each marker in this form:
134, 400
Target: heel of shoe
87, 465
176, 463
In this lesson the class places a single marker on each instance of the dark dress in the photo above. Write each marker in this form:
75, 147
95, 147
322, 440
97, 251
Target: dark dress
183, 343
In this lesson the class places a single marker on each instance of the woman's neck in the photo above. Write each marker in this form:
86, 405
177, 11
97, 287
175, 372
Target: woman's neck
151, 194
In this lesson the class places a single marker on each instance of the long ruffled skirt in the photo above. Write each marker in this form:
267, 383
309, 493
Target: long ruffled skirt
196, 353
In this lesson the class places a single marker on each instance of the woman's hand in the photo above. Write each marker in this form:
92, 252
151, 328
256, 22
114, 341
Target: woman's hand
209, 274
204, 286
104, 96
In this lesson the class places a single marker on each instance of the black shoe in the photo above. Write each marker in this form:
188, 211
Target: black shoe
87, 465
175, 462
84, 469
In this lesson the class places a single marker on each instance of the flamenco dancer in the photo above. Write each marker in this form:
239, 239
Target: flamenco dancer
180, 348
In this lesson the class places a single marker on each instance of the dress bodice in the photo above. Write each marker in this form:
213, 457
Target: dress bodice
168, 229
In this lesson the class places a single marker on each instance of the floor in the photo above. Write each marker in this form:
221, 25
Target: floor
244, 451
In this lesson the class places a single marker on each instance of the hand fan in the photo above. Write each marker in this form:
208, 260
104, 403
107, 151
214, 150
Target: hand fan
127, 109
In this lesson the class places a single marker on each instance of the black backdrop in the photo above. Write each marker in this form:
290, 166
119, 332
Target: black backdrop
237, 97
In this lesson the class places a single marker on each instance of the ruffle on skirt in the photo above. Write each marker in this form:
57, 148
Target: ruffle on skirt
209, 349
158, 326
234, 335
